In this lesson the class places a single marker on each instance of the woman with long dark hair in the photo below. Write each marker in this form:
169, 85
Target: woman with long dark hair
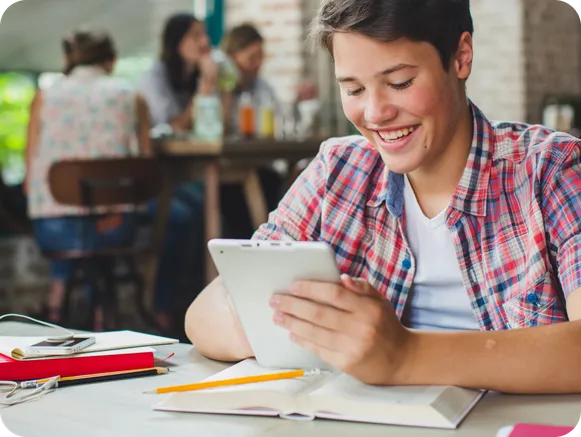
185, 69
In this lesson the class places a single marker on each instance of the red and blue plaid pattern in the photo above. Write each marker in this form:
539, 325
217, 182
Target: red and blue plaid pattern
515, 220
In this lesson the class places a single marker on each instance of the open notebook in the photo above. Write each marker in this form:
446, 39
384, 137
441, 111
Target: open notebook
329, 396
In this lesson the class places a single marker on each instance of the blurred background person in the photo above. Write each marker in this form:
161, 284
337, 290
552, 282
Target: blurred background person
245, 46
63, 122
185, 69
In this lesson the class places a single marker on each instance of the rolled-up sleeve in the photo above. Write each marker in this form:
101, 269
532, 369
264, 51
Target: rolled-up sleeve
298, 216
570, 265
562, 212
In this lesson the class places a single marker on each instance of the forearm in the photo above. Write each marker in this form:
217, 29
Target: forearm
532, 360
207, 87
213, 327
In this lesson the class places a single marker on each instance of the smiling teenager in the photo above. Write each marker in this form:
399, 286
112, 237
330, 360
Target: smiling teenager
458, 237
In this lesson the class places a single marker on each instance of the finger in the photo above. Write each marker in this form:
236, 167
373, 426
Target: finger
360, 286
332, 357
327, 293
316, 334
322, 315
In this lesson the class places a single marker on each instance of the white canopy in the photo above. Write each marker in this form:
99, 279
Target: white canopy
31, 30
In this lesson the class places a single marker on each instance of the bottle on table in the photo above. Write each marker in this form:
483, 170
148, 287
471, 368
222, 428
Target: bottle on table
246, 116
207, 114
266, 116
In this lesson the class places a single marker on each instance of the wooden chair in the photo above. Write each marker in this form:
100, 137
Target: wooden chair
16, 223
101, 183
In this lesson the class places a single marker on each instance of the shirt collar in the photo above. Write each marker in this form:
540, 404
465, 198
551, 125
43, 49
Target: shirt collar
83, 71
472, 191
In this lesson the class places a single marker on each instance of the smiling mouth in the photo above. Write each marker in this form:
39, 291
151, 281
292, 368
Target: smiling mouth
396, 135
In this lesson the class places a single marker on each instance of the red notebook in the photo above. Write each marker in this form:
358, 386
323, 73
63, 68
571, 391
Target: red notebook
532, 430
21, 370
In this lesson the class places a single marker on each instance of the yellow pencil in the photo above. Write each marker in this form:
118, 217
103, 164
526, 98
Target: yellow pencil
236, 381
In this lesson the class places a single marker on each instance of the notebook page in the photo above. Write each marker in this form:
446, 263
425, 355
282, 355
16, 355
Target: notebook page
260, 398
344, 398
344, 386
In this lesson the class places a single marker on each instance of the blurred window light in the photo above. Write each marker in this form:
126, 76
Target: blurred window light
203, 8
48, 79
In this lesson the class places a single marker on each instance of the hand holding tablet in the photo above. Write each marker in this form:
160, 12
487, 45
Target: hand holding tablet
252, 272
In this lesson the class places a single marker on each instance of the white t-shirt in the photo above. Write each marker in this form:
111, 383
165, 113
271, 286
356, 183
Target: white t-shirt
438, 297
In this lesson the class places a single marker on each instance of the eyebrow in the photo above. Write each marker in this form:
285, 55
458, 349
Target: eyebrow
398, 67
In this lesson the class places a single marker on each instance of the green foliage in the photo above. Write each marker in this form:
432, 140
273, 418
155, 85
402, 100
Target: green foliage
131, 69
16, 93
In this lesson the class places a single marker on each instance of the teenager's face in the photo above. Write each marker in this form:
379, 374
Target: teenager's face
400, 97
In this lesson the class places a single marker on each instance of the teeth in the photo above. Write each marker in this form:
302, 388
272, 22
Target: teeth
395, 135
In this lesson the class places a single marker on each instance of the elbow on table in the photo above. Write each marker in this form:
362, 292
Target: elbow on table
189, 327
194, 328
208, 343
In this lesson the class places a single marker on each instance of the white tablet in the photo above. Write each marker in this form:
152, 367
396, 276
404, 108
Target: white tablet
252, 272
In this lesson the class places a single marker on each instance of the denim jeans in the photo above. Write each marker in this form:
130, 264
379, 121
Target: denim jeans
79, 233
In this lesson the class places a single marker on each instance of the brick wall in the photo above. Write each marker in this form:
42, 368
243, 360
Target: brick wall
517, 43
552, 47
497, 83
281, 24
525, 50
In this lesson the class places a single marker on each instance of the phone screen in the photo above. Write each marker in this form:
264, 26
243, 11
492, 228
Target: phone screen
60, 344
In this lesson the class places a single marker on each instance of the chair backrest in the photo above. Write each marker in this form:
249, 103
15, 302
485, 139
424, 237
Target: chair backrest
105, 182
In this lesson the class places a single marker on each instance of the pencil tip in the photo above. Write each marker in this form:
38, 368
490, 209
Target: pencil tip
149, 392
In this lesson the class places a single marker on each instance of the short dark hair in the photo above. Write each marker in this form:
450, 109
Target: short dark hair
438, 22
88, 47
241, 37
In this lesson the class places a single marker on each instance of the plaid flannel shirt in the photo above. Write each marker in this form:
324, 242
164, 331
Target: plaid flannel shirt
515, 219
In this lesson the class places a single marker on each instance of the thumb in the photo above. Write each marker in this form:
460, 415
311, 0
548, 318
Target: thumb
359, 286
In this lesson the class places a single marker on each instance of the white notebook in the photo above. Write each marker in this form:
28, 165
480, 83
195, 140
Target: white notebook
15, 347
329, 396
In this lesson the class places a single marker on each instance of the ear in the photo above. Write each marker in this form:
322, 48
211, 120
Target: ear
464, 56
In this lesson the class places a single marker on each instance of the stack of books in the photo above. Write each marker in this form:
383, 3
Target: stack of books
115, 351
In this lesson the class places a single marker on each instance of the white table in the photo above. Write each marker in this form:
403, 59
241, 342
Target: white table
120, 409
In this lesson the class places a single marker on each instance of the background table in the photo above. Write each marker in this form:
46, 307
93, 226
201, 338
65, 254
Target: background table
120, 409
214, 163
